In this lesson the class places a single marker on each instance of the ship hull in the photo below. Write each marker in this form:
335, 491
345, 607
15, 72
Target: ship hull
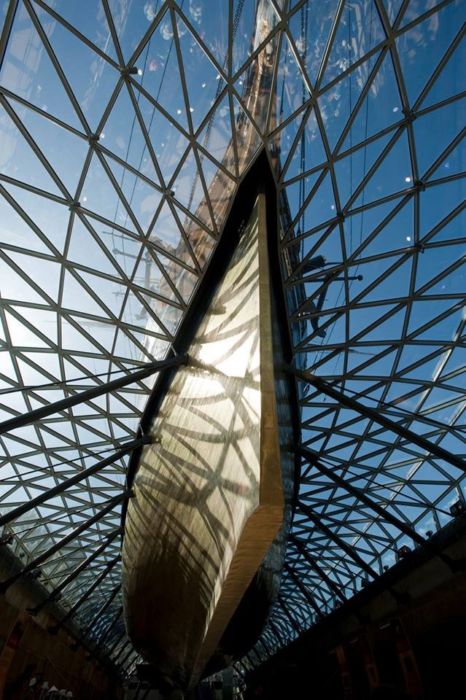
205, 529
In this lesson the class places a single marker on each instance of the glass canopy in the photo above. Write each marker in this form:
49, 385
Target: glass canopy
118, 121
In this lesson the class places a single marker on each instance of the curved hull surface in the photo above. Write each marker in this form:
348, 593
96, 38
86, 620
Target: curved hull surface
208, 494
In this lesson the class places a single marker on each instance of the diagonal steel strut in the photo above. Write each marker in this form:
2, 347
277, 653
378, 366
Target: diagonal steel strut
89, 394
80, 476
324, 387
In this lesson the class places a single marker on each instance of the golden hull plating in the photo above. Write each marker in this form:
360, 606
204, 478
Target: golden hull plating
208, 495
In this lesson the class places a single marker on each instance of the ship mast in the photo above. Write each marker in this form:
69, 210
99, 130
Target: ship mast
238, 155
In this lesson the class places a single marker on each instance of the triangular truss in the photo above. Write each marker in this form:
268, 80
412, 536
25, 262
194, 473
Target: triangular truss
125, 131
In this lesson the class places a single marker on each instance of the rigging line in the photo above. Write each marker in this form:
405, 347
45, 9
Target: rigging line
237, 18
235, 25
282, 94
156, 98
205, 144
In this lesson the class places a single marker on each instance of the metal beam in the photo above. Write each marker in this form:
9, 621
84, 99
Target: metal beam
100, 640
282, 641
80, 476
116, 643
289, 616
89, 394
138, 690
374, 506
373, 414
4, 585
103, 608
349, 551
127, 661
123, 647
108, 567
317, 568
8, 24
268, 650
256, 653
98, 615
131, 649
53, 595
320, 571
105, 634
303, 589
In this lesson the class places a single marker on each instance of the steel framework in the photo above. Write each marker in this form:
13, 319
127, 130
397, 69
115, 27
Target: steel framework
113, 134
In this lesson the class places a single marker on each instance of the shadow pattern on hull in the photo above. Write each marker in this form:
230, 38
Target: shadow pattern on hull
205, 532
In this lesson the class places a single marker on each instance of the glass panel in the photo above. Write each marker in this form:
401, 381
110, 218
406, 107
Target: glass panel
374, 294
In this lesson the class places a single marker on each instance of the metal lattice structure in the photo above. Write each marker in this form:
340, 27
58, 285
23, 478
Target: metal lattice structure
116, 123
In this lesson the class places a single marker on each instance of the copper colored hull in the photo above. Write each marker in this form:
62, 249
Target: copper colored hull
208, 495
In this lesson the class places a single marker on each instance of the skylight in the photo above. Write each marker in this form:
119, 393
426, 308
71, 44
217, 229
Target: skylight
125, 130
